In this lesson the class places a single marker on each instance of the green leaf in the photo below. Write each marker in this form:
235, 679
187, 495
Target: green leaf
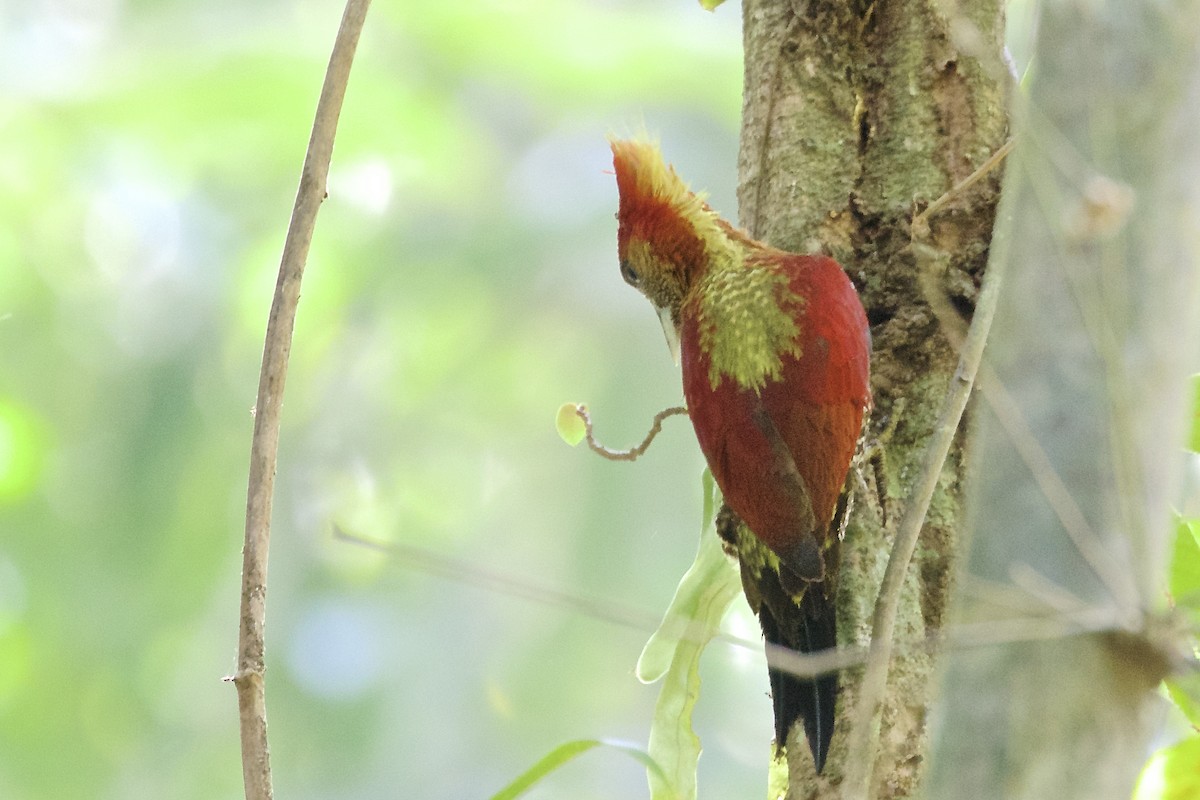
710, 569
1171, 773
710, 5
1184, 691
569, 424
1184, 578
673, 654
1184, 585
566, 752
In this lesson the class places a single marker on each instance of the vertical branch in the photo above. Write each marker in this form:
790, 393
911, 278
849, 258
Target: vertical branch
860, 771
256, 762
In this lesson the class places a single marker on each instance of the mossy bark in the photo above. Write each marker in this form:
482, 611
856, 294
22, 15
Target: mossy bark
856, 115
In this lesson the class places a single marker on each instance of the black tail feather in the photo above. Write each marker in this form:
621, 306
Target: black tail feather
814, 629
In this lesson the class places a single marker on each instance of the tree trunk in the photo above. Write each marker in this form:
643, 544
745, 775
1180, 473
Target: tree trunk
1079, 441
857, 115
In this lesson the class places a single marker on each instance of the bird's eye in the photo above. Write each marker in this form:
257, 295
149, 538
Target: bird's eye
629, 274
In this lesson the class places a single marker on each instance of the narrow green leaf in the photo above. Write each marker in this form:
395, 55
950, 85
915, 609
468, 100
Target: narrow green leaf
710, 5
710, 568
1184, 691
673, 653
567, 752
1184, 578
712, 496
569, 425
1184, 585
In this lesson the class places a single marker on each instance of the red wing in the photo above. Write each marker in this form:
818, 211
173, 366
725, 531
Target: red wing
781, 456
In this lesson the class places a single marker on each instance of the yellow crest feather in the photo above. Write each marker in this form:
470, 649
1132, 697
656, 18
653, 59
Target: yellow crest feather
643, 175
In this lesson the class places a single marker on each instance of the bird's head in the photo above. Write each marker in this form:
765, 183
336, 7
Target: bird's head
667, 236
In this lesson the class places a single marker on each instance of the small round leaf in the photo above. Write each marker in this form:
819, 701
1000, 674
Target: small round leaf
570, 426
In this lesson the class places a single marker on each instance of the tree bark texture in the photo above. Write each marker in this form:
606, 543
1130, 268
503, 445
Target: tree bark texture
1078, 443
856, 115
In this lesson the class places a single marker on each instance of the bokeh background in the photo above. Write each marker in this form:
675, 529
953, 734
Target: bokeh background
462, 285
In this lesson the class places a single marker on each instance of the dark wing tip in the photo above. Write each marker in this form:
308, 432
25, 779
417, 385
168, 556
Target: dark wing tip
793, 698
804, 560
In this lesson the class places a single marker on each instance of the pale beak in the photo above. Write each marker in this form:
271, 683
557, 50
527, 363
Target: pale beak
664, 316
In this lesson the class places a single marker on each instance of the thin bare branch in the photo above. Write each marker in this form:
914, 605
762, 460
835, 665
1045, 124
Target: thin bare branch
920, 223
431, 562
1075, 524
1033, 617
862, 743
256, 760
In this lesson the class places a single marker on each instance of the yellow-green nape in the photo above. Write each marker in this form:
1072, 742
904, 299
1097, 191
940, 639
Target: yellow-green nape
748, 325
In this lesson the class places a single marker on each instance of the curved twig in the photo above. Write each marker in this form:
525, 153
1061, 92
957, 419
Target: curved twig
634, 453
264, 448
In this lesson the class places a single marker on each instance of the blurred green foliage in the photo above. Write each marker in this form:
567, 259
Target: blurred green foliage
462, 284
1171, 773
